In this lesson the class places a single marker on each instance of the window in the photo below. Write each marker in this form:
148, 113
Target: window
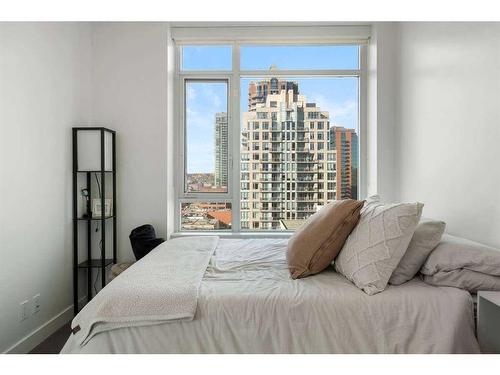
269, 133
206, 58
298, 57
206, 119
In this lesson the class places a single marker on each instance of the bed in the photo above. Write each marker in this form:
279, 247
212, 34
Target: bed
247, 303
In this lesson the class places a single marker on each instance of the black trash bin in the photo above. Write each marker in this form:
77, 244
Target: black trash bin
143, 240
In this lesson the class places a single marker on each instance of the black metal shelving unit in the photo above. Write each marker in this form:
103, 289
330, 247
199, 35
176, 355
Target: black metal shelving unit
102, 262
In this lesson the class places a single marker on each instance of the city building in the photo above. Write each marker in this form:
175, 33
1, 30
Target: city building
287, 166
345, 142
221, 151
258, 91
205, 216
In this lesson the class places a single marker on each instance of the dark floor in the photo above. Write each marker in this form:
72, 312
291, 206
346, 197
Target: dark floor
54, 343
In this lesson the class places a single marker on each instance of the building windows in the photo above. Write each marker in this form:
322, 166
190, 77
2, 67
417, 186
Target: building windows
270, 158
205, 216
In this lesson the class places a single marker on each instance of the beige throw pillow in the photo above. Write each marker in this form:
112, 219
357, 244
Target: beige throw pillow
318, 241
424, 240
377, 244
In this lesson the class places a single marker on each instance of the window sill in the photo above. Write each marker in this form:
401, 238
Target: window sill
236, 235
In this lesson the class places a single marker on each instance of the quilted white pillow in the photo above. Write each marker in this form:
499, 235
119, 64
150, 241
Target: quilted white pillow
377, 244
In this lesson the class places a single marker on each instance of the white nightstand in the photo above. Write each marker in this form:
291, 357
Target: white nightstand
488, 321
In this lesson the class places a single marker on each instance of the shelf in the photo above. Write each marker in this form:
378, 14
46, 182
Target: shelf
104, 144
95, 263
94, 218
78, 128
98, 171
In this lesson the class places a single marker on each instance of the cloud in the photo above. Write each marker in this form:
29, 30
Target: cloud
191, 93
200, 157
198, 121
214, 98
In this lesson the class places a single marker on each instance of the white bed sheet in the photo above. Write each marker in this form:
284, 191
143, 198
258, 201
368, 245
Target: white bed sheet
249, 304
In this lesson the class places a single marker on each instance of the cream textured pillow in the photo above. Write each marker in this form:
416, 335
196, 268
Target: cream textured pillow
377, 244
424, 240
318, 241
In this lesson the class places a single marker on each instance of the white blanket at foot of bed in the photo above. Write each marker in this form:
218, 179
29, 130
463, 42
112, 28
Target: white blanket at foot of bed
162, 287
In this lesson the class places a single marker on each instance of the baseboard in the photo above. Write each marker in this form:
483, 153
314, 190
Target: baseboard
33, 339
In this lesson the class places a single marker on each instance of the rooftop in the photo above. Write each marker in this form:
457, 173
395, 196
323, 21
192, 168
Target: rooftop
223, 216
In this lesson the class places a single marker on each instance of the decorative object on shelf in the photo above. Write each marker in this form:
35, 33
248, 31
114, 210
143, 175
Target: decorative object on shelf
96, 207
94, 181
86, 203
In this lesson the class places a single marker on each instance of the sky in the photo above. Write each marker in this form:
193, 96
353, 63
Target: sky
338, 96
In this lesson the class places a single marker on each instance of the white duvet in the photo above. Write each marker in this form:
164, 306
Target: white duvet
248, 303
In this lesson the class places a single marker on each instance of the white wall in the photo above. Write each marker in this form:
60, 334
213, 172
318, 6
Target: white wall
130, 95
53, 77
44, 91
449, 124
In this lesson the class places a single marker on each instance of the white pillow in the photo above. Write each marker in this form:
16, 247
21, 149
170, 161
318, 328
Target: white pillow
424, 240
375, 247
463, 264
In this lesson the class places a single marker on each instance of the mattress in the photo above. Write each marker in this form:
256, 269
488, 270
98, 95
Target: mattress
248, 303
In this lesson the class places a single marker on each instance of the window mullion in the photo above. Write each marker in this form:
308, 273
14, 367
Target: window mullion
235, 129
363, 123
300, 73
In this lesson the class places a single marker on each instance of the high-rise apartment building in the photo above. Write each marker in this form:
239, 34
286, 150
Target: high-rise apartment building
258, 91
287, 166
345, 142
221, 151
